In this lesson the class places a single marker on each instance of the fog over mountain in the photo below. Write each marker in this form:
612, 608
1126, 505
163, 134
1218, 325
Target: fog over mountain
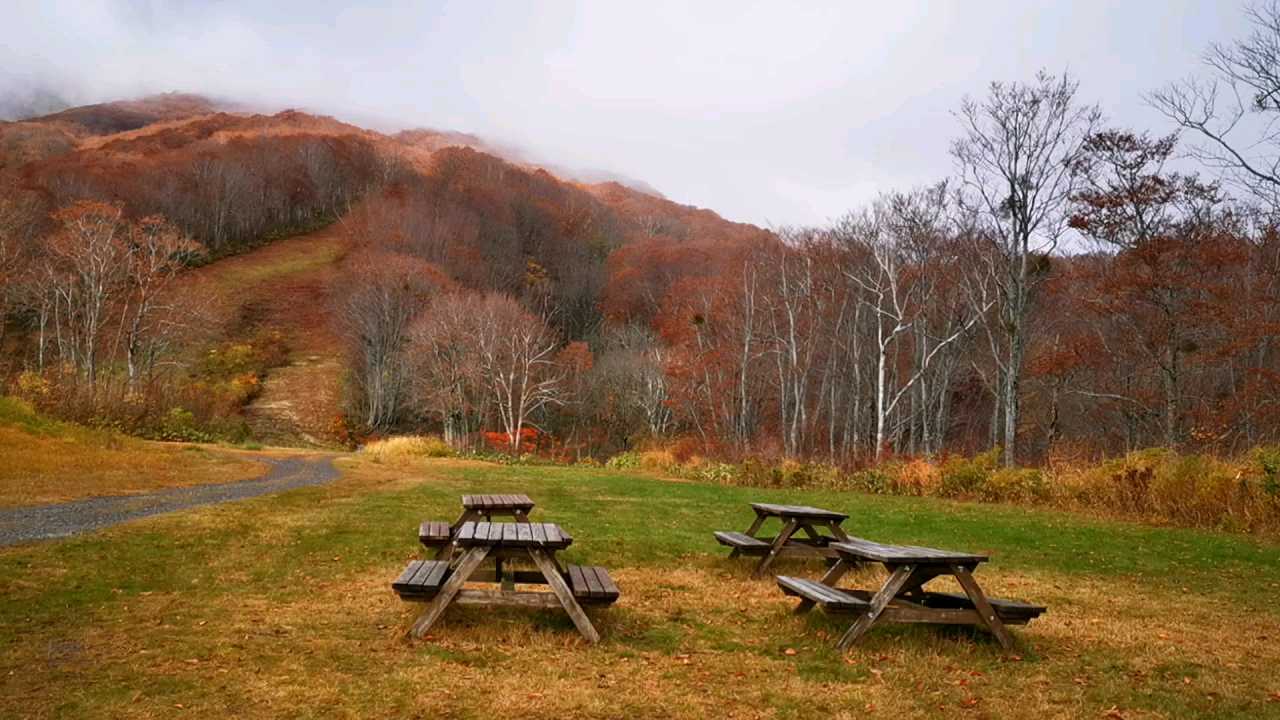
766, 113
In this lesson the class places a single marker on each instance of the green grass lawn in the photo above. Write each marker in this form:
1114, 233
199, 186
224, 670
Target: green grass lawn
281, 606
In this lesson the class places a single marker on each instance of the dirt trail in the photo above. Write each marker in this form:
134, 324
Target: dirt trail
42, 522
286, 287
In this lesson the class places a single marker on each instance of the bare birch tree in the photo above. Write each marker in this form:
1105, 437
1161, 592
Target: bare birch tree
1015, 162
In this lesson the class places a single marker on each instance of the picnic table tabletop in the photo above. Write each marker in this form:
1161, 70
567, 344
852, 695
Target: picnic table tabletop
859, 549
797, 511
549, 536
497, 502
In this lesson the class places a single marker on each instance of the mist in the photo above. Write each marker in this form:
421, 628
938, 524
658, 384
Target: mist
766, 113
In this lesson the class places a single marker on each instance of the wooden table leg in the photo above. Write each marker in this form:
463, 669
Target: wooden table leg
986, 613
778, 543
887, 593
837, 531
543, 560
832, 577
520, 516
452, 546
467, 565
755, 526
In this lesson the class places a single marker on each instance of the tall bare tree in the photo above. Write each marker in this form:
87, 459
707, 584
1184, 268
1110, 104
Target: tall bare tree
1234, 111
1015, 161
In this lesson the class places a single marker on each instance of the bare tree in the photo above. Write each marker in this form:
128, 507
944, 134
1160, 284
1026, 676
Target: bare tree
1234, 112
1015, 161
86, 261
517, 363
895, 251
447, 377
388, 293
156, 252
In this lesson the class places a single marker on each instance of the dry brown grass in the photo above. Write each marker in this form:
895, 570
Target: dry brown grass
40, 469
335, 648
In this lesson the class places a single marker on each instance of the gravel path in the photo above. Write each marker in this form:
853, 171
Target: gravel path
19, 525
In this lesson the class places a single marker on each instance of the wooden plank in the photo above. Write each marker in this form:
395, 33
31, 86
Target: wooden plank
610, 587
437, 574
740, 542
407, 575
553, 533
507, 598
539, 533
576, 581
524, 534
509, 534
594, 589
548, 567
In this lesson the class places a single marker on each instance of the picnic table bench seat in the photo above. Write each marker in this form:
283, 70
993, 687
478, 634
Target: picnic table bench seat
825, 596
434, 533
1012, 612
742, 542
591, 585
421, 580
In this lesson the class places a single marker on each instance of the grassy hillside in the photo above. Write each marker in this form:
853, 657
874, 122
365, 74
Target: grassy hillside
282, 606
46, 461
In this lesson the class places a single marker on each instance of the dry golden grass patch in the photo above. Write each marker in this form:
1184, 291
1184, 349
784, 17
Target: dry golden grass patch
38, 469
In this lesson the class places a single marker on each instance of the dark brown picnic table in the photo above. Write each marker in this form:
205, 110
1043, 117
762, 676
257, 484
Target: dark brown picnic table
902, 597
795, 519
440, 582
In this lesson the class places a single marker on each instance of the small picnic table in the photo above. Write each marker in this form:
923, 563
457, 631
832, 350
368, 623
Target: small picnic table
440, 583
795, 519
902, 597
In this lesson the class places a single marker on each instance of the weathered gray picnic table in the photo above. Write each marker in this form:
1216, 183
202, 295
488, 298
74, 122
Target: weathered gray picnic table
439, 535
795, 519
902, 597
440, 583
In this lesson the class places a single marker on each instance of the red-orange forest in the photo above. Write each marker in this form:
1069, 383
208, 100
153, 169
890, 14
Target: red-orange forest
477, 296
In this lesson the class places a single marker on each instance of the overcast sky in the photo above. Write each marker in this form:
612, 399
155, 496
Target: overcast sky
772, 113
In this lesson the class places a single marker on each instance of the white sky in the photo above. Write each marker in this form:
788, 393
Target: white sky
772, 113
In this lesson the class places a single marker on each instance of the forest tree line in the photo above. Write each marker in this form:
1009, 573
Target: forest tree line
1073, 287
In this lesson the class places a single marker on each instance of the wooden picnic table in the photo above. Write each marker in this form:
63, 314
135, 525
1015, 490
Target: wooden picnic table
795, 519
440, 582
475, 507
902, 597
